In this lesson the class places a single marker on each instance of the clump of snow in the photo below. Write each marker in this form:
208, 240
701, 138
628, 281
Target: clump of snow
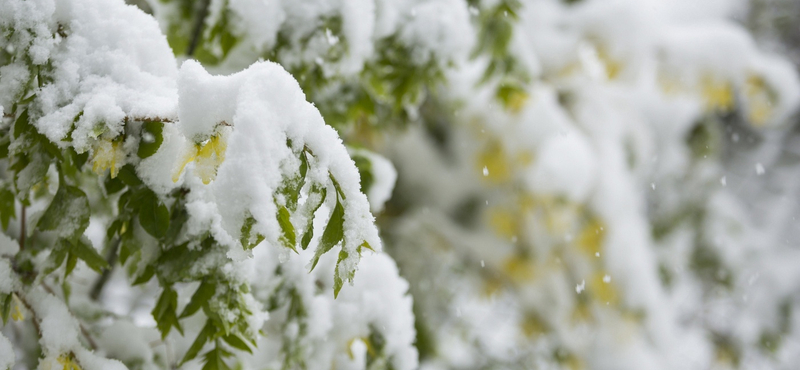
59, 329
263, 107
384, 176
7, 356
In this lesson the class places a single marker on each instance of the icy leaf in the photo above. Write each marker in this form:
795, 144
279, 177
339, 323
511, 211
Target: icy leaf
247, 238
337, 279
309, 233
68, 213
288, 238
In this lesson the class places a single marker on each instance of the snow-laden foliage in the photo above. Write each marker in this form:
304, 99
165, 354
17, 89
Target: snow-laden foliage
114, 155
367, 61
570, 186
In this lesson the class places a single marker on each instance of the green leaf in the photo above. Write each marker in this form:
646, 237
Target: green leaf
333, 234
236, 342
5, 141
7, 207
178, 218
113, 184
128, 246
164, 312
336, 186
309, 233
128, 175
72, 261
21, 124
303, 164
247, 239
202, 338
89, 255
365, 245
288, 238
200, 297
146, 275
113, 229
58, 255
154, 129
66, 288
337, 279
364, 166
68, 213
214, 359
153, 215
5, 309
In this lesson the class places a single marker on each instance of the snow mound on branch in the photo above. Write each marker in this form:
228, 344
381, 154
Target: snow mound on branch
263, 109
107, 62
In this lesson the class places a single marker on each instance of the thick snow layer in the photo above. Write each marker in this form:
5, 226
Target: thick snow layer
105, 69
257, 111
7, 356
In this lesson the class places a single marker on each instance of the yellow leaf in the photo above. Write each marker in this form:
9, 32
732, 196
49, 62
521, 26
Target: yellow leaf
370, 348
533, 326
207, 157
612, 66
108, 155
493, 163
519, 268
590, 239
504, 222
760, 99
718, 95
17, 315
603, 289
68, 361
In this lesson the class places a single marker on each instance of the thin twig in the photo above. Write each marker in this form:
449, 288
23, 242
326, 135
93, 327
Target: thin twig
149, 119
27, 305
101, 281
198, 28
22, 229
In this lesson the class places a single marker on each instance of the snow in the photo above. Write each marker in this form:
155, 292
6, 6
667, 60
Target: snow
7, 356
595, 159
59, 329
259, 109
384, 176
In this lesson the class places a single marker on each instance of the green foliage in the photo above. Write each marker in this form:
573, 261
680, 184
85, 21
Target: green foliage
496, 29
164, 312
333, 234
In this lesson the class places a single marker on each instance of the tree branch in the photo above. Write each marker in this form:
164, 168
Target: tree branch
198, 28
101, 281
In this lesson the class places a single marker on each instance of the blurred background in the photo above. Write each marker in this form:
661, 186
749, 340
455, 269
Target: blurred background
565, 184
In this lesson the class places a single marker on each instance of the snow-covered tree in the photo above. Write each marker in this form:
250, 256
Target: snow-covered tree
191, 184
